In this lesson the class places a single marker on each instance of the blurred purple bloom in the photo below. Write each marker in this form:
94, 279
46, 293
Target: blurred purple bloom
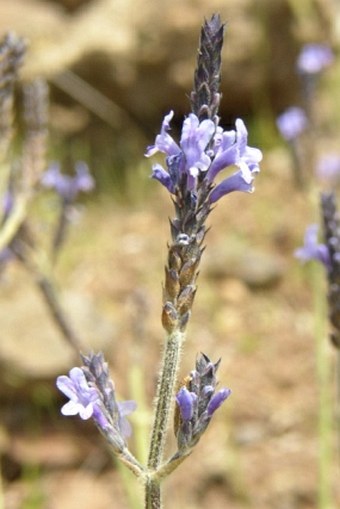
292, 122
312, 250
6, 254
314, 58
202, 153
186, 401
7, 202
125, 408
83, 178
217, 400
328, 168
66, 186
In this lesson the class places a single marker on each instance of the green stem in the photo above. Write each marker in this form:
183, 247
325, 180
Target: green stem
164, 401
153, 495
165, 397
2, 502
15, 220
325, 410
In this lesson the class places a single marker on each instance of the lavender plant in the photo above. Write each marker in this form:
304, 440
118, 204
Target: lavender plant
328, 254
297, 124
24, 178
189, 174
313, 59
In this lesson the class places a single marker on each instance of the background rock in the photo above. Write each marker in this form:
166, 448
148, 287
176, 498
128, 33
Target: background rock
31, 345
143, 61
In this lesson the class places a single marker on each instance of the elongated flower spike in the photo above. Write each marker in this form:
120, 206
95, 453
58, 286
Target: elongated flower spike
331, 226
191, 167
196, 402
205, 98
327, 253
189, 177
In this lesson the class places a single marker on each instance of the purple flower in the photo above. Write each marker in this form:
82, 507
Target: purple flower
328, 168
125, 408
231, 149
186, 401
242, 180
312, 250
66, 186
205, 150
197, 402
314, 58
87, 401
190, 155
7, 202
292, 122
84, 400
217, 400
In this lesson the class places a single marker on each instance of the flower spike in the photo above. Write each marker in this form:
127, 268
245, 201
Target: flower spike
197, 402
92, 395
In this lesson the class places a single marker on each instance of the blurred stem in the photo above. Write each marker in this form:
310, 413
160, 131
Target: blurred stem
129, 482
51, 297
52, 300
325, 408
2, 502
297, 165
15, 220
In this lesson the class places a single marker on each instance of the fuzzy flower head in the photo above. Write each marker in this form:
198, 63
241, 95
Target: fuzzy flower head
292, 122
314, 58
203, 151
312, 249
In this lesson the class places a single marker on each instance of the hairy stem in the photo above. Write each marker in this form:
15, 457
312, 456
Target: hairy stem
164, 401
131, 462
153, 495
165, 396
